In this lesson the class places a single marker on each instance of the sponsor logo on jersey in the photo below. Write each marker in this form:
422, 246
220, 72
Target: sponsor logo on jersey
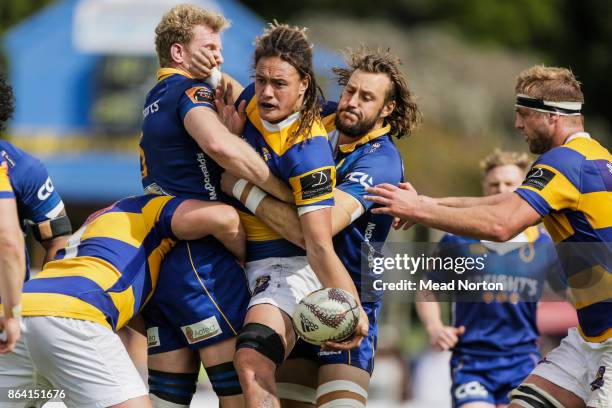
200, 94
202, 330
266, 154
316, 184
45, 190
538, 178
153, 337
362, 178
208, 186
151, 108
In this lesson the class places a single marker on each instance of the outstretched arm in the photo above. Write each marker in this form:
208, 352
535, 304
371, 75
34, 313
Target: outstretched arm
499, 222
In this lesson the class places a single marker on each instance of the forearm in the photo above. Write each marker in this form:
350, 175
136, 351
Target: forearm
12, 270
463, 202
329, 269
282, 218
429, 314
480, 222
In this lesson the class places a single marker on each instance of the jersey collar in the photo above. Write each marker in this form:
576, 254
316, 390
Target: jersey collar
576, 136
374, 134
164, 73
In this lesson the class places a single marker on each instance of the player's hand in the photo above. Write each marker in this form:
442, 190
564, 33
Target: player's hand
202, 63
233, 119
228, 181
394, 201
443, 338
10, 331
361, 331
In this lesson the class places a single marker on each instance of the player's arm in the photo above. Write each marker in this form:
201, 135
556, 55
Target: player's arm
499, 222
462, 202
195, 219
316, 226
283, 218
12, 265
441, 336
231, 152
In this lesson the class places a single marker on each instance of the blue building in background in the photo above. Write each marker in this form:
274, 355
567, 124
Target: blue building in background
80, 71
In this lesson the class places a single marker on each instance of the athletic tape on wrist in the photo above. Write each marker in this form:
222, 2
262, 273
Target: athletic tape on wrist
254, 198
17, 311
239, 188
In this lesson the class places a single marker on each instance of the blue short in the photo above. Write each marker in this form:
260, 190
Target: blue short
361, 357
201, 298
488, 379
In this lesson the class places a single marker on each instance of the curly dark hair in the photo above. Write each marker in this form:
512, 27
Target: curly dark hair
406, 115
7, 102
291, 45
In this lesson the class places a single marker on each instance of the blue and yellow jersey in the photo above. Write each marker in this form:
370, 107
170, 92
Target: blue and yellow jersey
370, 160
109, 268
171, 162
570, 186
304, 162
36, 197
499, 324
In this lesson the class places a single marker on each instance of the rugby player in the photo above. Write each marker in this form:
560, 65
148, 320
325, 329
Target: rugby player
283, 124
202, 298
375, 105
39, 205
107, 272
494, 340
570, 188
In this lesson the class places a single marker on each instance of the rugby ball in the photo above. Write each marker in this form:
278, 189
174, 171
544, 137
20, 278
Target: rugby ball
328, 314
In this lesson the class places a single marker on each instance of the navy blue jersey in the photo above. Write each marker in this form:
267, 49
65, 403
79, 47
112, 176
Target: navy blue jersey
370, 160
37, 200
499, 325
171, 161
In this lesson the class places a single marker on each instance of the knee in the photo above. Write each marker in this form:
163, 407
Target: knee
268, 346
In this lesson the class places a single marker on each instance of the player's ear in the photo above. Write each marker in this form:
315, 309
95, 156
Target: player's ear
304, 82
388, 108
177, 53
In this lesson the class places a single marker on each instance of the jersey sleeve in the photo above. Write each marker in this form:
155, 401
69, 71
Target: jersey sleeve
311, 173
37, 196
199, 94
553, 182
6, 190
164, 220
370, 170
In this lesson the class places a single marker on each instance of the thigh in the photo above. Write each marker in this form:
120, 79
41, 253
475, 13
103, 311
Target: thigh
566, 398
17, 375
86, 360
281, 282
182, 360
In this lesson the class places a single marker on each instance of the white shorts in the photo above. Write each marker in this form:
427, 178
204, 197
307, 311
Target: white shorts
281, 282
85, 360
581, 367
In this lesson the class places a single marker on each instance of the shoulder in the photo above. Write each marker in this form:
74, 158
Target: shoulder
247, 93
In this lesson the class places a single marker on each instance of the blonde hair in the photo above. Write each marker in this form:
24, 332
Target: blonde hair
549, 83
504, 158
176, 26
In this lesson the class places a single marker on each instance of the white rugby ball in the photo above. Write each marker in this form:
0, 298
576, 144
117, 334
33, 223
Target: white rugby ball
326, 314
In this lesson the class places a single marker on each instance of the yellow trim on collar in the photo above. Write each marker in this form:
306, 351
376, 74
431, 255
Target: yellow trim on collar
349, 147
164, 73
